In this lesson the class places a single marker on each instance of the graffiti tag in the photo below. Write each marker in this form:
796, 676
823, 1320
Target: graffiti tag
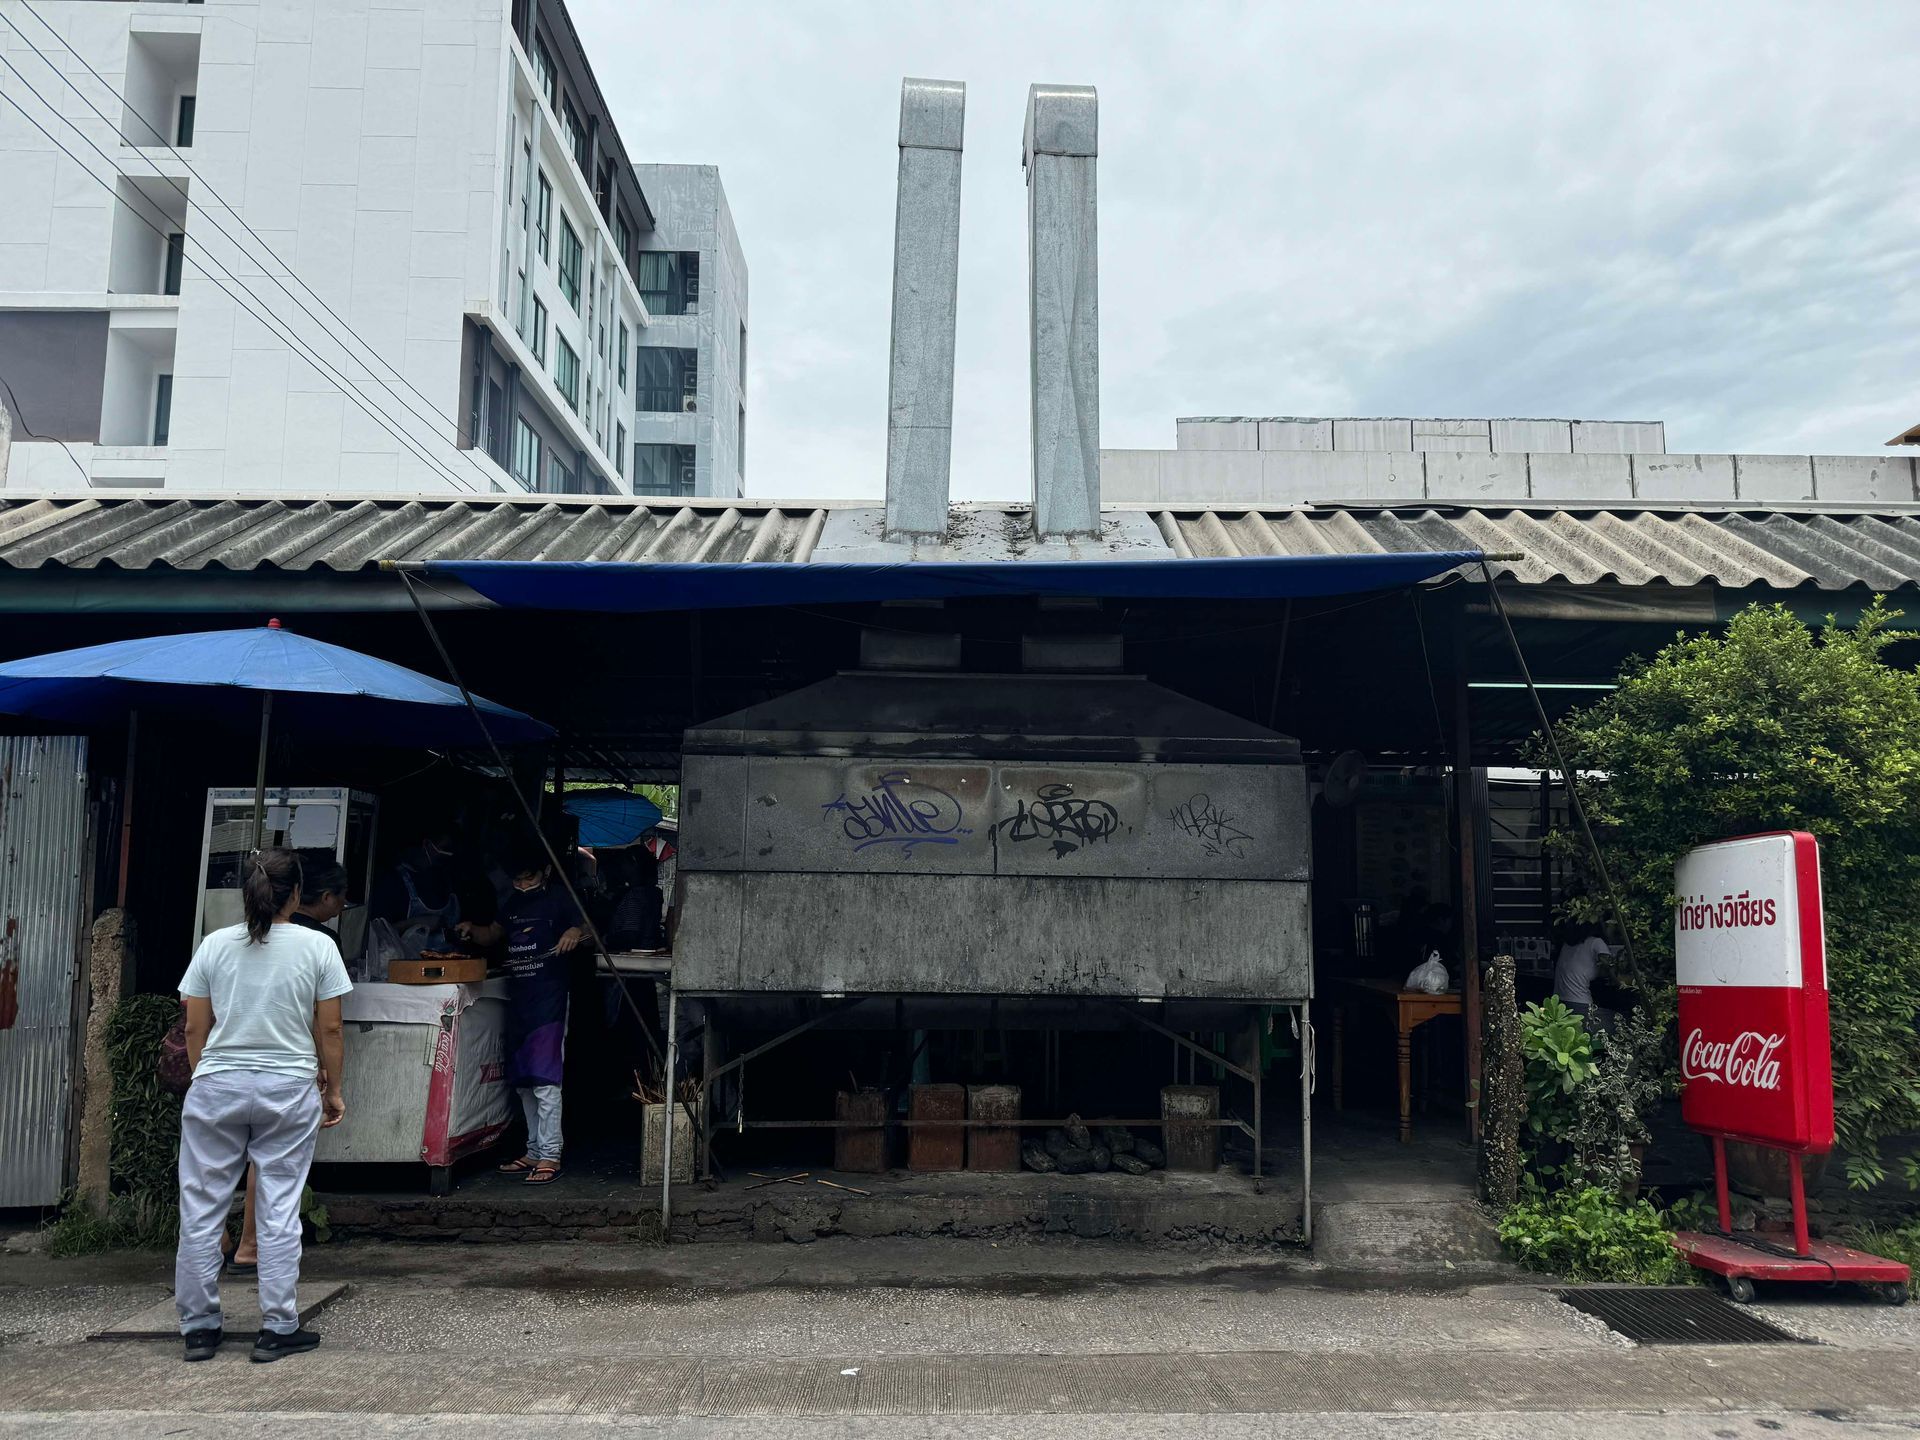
899, 812
1211, 826
1059, 819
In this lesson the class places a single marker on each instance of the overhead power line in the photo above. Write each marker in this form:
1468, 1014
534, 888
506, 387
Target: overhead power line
208, 266
266, 258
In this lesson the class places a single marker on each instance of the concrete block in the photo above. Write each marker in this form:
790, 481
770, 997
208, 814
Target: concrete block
1607, 478
1619, 437
1873, 479
1131, 475
1215, 475
1296, 435
1451, 435
1291, 477
1394, 435
1216, 435
1683, 477
1773, 477
1549, 436
1465, 475
160, 1321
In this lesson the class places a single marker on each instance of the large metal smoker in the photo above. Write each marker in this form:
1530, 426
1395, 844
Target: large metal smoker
1060, 844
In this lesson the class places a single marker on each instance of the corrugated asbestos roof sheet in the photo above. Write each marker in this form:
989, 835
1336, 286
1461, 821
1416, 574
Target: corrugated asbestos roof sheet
1828, 550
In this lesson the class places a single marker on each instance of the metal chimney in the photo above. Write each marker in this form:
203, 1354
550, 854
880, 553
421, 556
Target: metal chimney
926, 277
1063, 307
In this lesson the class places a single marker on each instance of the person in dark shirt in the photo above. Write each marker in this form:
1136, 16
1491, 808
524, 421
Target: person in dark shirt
541, 929
635, 922
323, 893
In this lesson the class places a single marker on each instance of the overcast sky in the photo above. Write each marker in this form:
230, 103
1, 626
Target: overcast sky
1702, 214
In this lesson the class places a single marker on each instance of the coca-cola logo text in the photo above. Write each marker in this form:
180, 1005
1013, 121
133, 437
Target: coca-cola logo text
1746, 1060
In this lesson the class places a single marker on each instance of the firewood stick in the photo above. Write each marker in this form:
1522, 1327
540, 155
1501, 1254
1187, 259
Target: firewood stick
848, 1188
781, 1180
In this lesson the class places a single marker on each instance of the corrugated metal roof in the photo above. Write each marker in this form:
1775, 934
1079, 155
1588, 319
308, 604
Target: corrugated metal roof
1826, 548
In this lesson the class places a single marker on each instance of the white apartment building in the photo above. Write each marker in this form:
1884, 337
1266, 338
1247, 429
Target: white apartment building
315, 246
690, 426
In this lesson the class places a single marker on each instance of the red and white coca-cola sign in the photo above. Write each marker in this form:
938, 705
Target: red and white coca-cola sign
1756, 1059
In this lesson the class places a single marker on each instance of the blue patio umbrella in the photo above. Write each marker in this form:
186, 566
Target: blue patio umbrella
611, 818
269, 675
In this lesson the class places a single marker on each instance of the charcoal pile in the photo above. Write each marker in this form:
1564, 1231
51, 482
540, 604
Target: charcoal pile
1076, 1148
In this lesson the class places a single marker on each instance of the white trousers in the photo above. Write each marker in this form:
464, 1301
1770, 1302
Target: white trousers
230, 1118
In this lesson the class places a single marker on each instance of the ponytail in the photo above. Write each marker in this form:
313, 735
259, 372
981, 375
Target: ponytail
272, 878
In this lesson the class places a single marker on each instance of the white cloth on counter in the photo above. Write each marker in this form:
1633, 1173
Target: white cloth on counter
381, 1003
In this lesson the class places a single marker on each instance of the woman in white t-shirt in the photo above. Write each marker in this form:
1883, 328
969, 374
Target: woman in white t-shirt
263, 1024
1577, 966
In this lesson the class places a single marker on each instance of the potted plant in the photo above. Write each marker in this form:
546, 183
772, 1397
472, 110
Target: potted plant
1630, 1076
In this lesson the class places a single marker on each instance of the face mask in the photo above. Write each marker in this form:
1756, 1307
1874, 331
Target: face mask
529, 887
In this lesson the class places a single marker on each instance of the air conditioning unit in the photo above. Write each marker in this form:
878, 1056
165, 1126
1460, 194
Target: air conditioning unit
689, 403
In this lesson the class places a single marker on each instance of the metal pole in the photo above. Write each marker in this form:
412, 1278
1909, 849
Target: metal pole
1466, 829
1259, 1087
260, 771
1307, 1060
667, 1116
1560, 760
126, 808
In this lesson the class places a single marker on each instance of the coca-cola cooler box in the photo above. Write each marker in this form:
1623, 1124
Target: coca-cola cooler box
1756, 1058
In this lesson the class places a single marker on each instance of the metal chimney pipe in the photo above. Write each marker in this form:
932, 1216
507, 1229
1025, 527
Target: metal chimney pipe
926, 279
1063, 306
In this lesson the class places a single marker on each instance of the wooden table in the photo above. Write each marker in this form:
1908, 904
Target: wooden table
1411, 1010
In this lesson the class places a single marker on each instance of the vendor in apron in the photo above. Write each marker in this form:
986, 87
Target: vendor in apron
541, 929
419, 898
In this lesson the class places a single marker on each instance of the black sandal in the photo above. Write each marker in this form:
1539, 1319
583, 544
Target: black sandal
522, 1166
233, 1267
545, 1173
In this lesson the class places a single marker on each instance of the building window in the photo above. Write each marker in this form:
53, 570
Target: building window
663, 469
543, 217
526, 453
566, 371
575, 132
669, 378
497, 422
543, 74
569, 268
743, 357
623, 238
740, 445
176, 262
162, 409
670, 280
559, 476
619, 448
526, 186
539, 340
623, 355
520, 305
183, 123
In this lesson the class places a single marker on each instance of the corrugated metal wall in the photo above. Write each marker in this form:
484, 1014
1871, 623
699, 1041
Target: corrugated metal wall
43, 866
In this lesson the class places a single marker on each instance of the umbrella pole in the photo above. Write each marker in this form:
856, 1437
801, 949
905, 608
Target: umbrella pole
260, 771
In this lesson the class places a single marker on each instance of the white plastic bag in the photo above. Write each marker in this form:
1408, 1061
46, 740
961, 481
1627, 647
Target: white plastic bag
1429, 975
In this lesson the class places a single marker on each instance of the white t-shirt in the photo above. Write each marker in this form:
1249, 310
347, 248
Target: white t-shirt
1575, 969
263, 997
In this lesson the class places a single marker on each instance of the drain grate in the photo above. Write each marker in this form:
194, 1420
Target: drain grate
1656, 1315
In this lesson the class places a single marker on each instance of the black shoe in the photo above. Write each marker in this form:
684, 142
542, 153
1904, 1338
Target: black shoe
271, 1345
201, 1344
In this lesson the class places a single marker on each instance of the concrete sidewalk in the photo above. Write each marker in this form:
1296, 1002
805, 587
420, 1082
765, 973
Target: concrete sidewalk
843, 1333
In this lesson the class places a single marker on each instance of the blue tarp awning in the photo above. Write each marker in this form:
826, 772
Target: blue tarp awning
633, 588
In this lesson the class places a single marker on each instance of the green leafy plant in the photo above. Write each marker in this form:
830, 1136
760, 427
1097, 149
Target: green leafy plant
1773, 726
315, 1215
1558, 1056
1587, 1232
1612, 1105
1698, 1211
143, 1211
1892, 1242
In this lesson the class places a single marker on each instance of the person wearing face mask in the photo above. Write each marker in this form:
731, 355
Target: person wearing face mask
541, 929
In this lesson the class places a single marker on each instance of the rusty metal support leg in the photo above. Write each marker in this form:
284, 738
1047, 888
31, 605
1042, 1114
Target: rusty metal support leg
667, 1116
1259, 1084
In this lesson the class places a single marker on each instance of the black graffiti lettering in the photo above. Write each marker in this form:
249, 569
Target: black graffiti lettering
1060, 820
1212, 827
